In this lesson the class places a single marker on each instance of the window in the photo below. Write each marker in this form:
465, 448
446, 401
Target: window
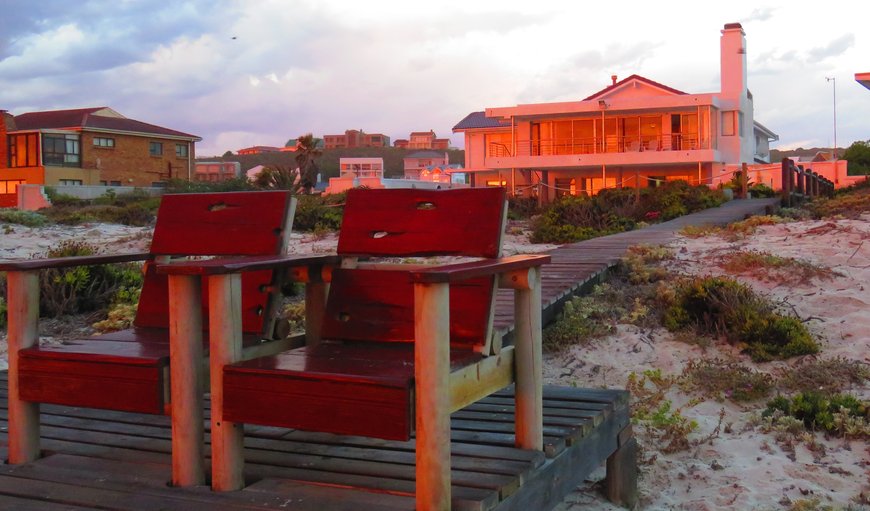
181, 150
114, 183
61, 150
656, 181
104, 142
728, 122
104, 183
740, 122
23, 150
70, 182
155, 148
496, 183
10, 186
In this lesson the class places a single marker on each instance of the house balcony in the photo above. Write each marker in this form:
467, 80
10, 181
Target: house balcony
596, 151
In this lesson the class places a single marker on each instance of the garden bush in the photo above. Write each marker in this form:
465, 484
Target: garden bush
319, 213
576, 218
844, 414
84, 288
723, 306
25, 218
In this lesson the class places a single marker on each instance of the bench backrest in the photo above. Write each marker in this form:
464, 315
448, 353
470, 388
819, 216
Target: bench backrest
378, 305
219, 224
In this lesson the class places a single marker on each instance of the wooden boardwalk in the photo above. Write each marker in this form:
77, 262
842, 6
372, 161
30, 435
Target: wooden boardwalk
108, 460
575, 268
99, 459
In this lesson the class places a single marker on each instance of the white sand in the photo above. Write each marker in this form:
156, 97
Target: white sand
751, 471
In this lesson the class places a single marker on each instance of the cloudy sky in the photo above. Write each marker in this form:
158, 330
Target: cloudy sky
257, 72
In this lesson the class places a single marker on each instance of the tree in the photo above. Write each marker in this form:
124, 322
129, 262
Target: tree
306, 152
228, 154
858, 155
278, 177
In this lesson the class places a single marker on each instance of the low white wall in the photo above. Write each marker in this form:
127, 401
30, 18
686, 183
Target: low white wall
92, 192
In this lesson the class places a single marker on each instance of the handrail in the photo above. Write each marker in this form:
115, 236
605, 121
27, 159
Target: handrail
601, 145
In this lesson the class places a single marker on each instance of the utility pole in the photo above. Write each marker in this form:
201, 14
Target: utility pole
834, 80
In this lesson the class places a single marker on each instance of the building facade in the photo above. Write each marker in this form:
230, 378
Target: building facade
415, 163
635, 132
213, 171
423, 140
356, 138
90, 146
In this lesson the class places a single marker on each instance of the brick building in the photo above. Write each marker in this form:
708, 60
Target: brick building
217, 170
423, 140
89, 146
356, 138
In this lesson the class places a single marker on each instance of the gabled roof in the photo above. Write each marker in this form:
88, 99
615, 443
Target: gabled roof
631, 78
97, 118
480, 120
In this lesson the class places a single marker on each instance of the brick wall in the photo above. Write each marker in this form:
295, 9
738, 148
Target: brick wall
130, 162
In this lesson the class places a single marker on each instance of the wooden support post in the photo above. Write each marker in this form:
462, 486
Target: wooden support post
225, 347
621, 480
432, 373
786, 182
185, 366
744, 181
315, 310
802, 181
529, 398
636, 186
23, 312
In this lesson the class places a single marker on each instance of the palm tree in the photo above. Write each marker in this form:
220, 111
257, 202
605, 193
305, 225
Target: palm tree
306, 152
278, 177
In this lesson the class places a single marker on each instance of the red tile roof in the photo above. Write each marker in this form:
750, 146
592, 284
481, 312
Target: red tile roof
630, 78
87, 118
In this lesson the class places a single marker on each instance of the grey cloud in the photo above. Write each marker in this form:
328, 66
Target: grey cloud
761, 14
835, 47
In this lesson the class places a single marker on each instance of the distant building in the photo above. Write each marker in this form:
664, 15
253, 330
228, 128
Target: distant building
354, 172
89, 146
401, 143
423, 140
635, 133
416, 162
259, 149
356, 138
213, 171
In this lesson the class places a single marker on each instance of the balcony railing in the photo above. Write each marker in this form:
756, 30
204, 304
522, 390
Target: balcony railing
599, 145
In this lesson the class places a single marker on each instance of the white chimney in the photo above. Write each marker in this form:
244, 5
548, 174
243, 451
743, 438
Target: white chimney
733, 61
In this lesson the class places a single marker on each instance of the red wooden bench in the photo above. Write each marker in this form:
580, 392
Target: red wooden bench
399, 347
130, 370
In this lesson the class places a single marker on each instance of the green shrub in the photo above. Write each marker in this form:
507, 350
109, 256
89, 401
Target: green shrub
723, 306
3, 311
575, 218
319, 213
83, 288
832, 413
728, 379
240, 184
521, 208
25, 218
760, 190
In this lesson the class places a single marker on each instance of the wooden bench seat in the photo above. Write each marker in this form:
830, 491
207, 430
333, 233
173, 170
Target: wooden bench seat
327, 387
124, 370
131, 370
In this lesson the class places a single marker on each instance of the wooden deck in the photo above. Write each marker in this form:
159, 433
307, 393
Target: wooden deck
98, 459
575, 268
118, 460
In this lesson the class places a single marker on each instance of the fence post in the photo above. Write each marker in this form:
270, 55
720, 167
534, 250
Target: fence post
801, 181
744, 181
786, 182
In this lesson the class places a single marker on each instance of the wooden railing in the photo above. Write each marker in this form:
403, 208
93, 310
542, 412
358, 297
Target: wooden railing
798, 183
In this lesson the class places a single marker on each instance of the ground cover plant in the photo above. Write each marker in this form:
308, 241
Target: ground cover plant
773, 268
575, 218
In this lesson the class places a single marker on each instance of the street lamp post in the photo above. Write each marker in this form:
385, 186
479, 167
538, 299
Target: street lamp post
834, 80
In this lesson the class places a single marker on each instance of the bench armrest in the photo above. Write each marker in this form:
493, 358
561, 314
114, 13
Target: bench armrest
226, 265
463, 271
68, 262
